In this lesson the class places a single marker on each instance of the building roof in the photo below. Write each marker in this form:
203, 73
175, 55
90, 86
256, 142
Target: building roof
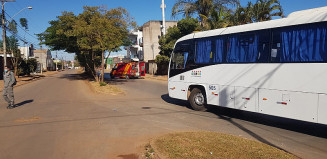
295, 18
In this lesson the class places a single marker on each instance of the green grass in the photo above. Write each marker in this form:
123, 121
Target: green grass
198, 145
103, 83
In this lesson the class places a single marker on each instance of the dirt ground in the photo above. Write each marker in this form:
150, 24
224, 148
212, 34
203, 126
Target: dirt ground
156, 77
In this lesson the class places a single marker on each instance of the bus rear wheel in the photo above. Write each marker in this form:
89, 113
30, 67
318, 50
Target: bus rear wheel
197, 100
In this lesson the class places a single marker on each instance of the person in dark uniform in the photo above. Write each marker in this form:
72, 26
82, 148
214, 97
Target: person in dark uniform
8, 89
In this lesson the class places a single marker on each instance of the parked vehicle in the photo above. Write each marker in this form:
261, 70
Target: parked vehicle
128, 70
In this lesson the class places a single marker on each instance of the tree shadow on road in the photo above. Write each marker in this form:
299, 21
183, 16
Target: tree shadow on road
86, 77
23, 103
228, 114
130, 156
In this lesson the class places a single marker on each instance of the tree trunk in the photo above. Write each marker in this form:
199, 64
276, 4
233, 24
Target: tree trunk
102, 65
95, 73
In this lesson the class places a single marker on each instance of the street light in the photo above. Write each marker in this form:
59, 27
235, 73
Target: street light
18, 13
4, 30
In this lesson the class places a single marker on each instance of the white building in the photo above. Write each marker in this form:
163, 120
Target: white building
136, 48
26, 52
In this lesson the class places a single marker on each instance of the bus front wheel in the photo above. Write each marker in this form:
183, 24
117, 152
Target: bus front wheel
197, 100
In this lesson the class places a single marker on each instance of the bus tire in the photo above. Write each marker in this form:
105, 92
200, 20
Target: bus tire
197, 100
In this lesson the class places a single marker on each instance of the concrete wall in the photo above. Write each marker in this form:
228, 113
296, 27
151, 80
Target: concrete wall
44, 57
151, 35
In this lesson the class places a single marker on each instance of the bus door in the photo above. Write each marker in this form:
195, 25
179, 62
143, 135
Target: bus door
177, 86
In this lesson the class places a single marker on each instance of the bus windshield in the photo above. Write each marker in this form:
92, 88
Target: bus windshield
178, 60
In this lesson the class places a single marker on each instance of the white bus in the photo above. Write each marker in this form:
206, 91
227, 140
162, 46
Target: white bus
277, 67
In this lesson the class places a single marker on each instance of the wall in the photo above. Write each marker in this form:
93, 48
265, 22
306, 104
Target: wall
151, 36
44, 57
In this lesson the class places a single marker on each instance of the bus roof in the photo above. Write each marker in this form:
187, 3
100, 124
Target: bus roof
296, 18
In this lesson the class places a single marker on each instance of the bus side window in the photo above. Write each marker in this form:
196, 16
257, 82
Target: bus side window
275, 51
263, 46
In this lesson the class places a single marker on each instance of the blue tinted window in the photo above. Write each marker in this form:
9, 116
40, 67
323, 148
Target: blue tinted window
203, 51
306, 43
242, 48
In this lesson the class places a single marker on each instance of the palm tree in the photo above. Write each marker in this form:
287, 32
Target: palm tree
264, 10
219, 18
202, 8
242, 15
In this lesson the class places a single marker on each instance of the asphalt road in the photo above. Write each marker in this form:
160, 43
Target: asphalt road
59, 117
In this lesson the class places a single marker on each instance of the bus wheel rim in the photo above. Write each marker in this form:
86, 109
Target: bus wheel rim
199, 99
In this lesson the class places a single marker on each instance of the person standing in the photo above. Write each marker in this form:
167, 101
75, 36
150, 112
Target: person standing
8, 89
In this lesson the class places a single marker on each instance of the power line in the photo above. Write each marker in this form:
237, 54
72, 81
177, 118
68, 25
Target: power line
26, 13
20, 37
23, 28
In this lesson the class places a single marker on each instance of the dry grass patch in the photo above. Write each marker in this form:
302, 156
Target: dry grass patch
196, 145
107, 89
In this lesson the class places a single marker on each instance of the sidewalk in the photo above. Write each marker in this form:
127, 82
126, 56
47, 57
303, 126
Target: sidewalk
156, 77
28, 79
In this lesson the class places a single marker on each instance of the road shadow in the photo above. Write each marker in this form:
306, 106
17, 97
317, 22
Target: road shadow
178, 102
31, 77
228, 114
130, 156
76, 76
23, 103
85, 77
304, 127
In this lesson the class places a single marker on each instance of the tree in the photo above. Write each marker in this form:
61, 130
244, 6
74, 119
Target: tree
13, 49
167, 42
264, 10
12, 45
12, 26
100, 30
203, 8
184, 27
23, 23
219, 18
89, 35
27, 66
242, 15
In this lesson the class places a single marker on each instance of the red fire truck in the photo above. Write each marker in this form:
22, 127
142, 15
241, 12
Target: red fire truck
128, 70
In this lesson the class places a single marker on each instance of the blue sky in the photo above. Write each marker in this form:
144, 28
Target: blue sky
142, 10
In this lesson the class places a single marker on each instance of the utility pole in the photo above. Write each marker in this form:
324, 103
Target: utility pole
163, 6
4, 34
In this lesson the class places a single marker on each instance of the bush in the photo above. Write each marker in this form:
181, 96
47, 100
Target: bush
162, 60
